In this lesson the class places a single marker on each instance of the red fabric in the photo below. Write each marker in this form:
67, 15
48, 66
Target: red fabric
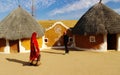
35, 52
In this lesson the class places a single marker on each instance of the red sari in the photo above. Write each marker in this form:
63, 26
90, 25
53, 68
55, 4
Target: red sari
35, 52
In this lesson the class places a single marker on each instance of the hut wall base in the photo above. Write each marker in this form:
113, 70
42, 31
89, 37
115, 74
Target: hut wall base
103, 47
94, 50
118, 42
22, 49
7, 48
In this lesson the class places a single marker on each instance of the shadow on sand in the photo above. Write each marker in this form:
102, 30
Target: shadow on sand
18, 61
51, 52
55, 51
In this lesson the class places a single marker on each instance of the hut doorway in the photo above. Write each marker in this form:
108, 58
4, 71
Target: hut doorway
2, 45
111, 41
14, 46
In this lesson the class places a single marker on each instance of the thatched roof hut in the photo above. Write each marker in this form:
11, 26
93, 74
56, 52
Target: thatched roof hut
19, 24
99, 19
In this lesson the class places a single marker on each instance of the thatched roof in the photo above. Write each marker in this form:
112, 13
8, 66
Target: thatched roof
99, 19
19, 24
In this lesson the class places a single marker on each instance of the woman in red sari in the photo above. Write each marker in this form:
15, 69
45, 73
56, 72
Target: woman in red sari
35, 52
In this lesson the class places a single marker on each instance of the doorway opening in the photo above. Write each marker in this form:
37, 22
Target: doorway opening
14, 46
112, 42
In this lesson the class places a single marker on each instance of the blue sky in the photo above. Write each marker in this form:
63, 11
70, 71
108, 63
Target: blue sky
55, 9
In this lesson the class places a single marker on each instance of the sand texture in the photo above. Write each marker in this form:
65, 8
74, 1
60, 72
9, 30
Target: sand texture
54, 62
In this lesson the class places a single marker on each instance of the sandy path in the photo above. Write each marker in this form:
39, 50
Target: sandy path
55, 63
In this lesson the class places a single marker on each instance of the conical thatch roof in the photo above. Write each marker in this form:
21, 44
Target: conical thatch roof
19, 24
99, 19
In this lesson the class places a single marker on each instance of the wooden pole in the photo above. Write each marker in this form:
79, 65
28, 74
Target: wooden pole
18, 3
100, 1
32, 8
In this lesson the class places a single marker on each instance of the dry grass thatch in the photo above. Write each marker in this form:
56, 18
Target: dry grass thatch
99, 19
19, 24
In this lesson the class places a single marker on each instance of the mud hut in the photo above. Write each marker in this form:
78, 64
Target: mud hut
16, 30
53, 37
98, 29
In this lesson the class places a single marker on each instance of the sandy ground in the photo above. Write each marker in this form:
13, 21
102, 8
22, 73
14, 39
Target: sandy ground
54, 62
